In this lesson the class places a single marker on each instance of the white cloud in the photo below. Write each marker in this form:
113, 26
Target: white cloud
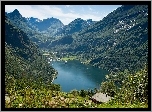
67, 5
48, 11
39, 11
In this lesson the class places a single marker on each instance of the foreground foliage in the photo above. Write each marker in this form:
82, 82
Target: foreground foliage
36, 94
126, 87
48, 98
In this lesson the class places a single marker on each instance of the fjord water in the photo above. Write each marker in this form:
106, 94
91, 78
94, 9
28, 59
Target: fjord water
75, 75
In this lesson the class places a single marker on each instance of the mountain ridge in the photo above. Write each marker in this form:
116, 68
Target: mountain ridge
119, 41
99, 42
43, 31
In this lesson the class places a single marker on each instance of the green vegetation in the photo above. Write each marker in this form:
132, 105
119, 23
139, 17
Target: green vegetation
42, 95
26, 87
126, 87
118, 43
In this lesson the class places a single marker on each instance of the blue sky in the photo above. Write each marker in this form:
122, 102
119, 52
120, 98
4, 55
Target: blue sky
66, 13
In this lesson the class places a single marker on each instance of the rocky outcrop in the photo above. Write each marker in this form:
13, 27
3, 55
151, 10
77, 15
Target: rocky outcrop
100, 98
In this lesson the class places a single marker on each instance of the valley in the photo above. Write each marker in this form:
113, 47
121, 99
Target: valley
65, 65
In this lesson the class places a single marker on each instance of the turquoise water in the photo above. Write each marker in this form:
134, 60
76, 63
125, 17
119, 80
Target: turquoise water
75, 75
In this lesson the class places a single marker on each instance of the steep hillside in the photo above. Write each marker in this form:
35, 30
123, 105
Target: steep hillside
117, 42
23, 59
19, 40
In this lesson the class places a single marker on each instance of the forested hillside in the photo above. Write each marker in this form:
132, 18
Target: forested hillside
117, 42
23, 61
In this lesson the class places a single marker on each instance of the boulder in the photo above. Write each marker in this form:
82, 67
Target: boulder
100, 97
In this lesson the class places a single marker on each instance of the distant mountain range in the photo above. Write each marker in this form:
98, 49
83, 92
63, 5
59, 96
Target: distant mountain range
42, 31
45, 24
75, 26
117, 42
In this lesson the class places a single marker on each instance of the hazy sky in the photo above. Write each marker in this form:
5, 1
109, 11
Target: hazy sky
66, 13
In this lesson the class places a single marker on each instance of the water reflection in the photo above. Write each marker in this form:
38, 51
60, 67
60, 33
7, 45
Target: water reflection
75, 75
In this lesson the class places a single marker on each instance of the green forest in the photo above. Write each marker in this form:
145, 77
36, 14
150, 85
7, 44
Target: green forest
118, 43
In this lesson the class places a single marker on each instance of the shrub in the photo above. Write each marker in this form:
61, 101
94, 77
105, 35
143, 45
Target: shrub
131, 87
109, 88
135, 86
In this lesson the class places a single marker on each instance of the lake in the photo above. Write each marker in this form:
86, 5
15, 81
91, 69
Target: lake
75, 75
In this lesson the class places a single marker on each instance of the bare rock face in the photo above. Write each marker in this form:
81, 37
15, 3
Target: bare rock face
100, 97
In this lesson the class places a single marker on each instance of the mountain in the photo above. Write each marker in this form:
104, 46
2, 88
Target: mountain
39, 31
33, 20
22, 57
35, 23
17, 20
117, 42
49, 24
43, 32
74, 26
15, 15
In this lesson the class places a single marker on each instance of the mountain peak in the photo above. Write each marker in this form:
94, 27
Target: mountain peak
90, 20
78, 19
16, 12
